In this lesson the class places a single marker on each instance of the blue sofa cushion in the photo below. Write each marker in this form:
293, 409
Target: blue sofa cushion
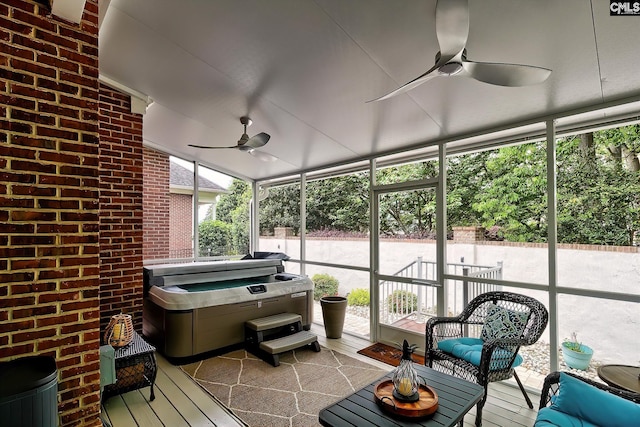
589, 403
549, 417
470, 349
503, 323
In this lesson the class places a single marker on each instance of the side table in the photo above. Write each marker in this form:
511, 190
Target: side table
621, 376
135, 368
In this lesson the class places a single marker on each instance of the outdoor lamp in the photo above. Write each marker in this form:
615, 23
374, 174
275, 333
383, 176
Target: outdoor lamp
405, 377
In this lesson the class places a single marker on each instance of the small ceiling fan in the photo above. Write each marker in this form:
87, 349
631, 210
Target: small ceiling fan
248, 144
452, 30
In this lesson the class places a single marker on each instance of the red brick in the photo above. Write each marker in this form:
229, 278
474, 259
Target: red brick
16, 326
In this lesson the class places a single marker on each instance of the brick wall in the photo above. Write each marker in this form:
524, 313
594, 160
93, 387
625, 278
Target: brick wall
49, 263
181, 225
121, 220
156, 204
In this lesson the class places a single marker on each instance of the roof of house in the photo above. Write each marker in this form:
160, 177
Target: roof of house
183, 177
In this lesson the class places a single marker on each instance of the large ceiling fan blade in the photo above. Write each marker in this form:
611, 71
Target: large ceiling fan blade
262, 156
211, 148
511, 75
452, 26
258, 140
413, 83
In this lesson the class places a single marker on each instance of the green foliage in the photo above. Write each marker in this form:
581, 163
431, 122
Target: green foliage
503, 190
359, 297
402, 302
229, 233
408, 213
338, 203
280, 209
239, 193
240, 229
573, 343
214, 238
324, 285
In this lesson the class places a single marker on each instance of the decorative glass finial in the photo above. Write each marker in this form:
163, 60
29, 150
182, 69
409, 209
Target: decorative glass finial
405, 378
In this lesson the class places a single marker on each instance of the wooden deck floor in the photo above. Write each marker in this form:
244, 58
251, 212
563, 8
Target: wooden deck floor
181, 402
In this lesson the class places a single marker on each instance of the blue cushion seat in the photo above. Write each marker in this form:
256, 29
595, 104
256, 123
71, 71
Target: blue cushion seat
470, 349
549, 417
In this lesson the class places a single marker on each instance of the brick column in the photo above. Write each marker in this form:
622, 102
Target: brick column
49, 195
120, 208
468, 234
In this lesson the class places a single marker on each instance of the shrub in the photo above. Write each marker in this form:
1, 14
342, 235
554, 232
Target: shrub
324, 285
214, 238
359, 297
402, 302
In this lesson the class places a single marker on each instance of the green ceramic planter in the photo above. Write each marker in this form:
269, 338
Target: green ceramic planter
577, 359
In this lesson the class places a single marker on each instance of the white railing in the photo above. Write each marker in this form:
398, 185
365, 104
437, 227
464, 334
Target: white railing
400, 300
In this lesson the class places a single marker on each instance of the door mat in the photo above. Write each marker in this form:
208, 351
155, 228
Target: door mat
388, 354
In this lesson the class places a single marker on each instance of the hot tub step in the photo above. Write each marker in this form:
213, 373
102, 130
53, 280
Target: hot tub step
274, 347
272, 322
290, 342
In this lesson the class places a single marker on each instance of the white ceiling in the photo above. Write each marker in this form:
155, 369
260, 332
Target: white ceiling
304, 69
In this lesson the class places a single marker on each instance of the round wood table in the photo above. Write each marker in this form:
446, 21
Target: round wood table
621, 376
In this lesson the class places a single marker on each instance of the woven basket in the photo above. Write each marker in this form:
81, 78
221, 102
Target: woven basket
119, 331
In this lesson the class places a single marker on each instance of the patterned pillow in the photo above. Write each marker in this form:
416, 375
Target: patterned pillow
503, 323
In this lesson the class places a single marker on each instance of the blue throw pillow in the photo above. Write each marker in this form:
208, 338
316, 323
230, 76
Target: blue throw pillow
503, 323
470, 349
596, 406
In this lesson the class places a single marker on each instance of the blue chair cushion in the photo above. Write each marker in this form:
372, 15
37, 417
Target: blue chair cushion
470, 349
549, 417
589, 403
503, 323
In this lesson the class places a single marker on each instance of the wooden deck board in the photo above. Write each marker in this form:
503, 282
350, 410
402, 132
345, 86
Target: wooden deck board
139, 406
118, 413
165, 410
206, 403
182, 402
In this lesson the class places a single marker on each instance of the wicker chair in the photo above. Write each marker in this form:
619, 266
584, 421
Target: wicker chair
498, 354
551, 387
551, 390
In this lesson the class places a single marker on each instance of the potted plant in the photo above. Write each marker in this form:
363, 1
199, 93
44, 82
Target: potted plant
575, 354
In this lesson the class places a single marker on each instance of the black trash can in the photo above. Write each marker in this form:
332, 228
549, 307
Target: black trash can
29, 392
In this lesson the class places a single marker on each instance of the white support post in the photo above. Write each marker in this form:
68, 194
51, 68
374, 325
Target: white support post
553, 247
441, 229
254, 220
303, 223
374, 235
196, 246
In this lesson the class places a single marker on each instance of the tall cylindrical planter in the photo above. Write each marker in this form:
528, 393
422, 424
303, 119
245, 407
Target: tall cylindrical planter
333, 312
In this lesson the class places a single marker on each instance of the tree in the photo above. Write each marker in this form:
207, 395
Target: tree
214, 238
238, 191
408, 213
512, 195
281, 208
598, 190
339, 203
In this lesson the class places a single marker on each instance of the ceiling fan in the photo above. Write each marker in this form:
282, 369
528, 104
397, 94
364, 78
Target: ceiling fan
452, 30
248, 144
